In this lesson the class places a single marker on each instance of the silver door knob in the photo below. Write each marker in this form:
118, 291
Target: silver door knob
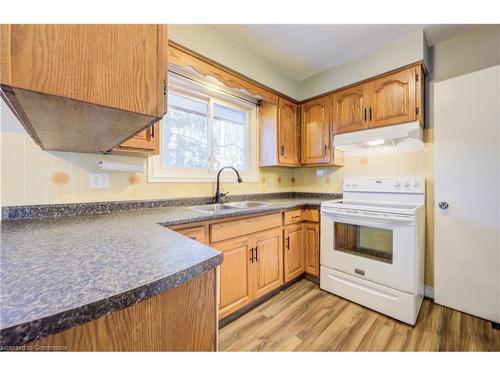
443, 205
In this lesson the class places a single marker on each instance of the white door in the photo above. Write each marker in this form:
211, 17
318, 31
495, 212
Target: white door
467, 179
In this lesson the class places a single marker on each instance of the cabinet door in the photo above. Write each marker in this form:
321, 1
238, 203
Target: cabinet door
311, 244
268, 132
315, 132
268, 265
146, 142
294, 251
393, 99
287, 133
235, 275
350, 109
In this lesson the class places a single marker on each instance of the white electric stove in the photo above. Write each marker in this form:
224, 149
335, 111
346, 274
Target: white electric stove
373, 244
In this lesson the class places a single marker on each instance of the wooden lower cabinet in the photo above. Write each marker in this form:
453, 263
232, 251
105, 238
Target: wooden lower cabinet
236, 274
261, 253
268, 262
195, 233
252, 267
293, 251
311, 246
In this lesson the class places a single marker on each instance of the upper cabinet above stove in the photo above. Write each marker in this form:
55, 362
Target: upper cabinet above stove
84, 88
394, 98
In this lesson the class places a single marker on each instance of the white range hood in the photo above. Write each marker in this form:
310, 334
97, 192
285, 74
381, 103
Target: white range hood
395, 138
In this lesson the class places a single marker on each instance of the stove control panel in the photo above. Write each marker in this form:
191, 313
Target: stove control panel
399, 184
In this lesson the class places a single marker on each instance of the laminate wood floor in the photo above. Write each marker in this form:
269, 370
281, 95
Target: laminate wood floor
305, 318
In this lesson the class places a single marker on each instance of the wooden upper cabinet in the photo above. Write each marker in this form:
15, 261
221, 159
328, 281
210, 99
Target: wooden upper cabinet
268, 264
315, 132
145, 143
393, 99
279, 133
350, 109
84, 88
268, 132
287, 133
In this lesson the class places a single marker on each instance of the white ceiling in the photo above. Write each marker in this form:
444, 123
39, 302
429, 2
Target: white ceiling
300, 51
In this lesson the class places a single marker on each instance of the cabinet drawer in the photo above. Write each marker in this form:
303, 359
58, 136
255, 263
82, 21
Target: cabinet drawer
310, 214
236, 228
195, 233
293, 216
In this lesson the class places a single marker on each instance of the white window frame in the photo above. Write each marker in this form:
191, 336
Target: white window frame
157, 172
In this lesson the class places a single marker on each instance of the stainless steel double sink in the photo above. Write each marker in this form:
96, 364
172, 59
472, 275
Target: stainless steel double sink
229, 206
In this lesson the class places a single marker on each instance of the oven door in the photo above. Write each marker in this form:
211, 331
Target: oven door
374, 246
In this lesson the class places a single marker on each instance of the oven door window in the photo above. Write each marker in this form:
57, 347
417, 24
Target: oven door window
368, 242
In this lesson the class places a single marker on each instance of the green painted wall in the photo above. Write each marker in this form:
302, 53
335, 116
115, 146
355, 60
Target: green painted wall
394, 54
210, 43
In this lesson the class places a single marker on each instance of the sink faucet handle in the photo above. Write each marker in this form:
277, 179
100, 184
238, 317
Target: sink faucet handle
222, 195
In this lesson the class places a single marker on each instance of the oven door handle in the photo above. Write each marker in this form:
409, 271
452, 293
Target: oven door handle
384, 219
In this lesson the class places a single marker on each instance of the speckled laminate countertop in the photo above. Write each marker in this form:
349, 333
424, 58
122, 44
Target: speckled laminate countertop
57, 273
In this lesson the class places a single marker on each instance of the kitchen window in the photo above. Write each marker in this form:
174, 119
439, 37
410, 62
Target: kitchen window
204, 130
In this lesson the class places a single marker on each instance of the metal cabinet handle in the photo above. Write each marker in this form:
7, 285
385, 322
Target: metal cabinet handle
296, 217
370, 113
365, 114
443, 205
256, 254
288, 242
282, 150
251, 256
326, 150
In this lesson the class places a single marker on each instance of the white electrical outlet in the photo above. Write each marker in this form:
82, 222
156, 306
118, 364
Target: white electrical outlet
99, 180
270, 181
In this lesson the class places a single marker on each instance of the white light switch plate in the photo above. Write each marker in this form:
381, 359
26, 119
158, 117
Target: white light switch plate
99, 180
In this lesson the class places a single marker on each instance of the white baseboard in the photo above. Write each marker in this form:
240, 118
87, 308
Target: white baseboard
429, 291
